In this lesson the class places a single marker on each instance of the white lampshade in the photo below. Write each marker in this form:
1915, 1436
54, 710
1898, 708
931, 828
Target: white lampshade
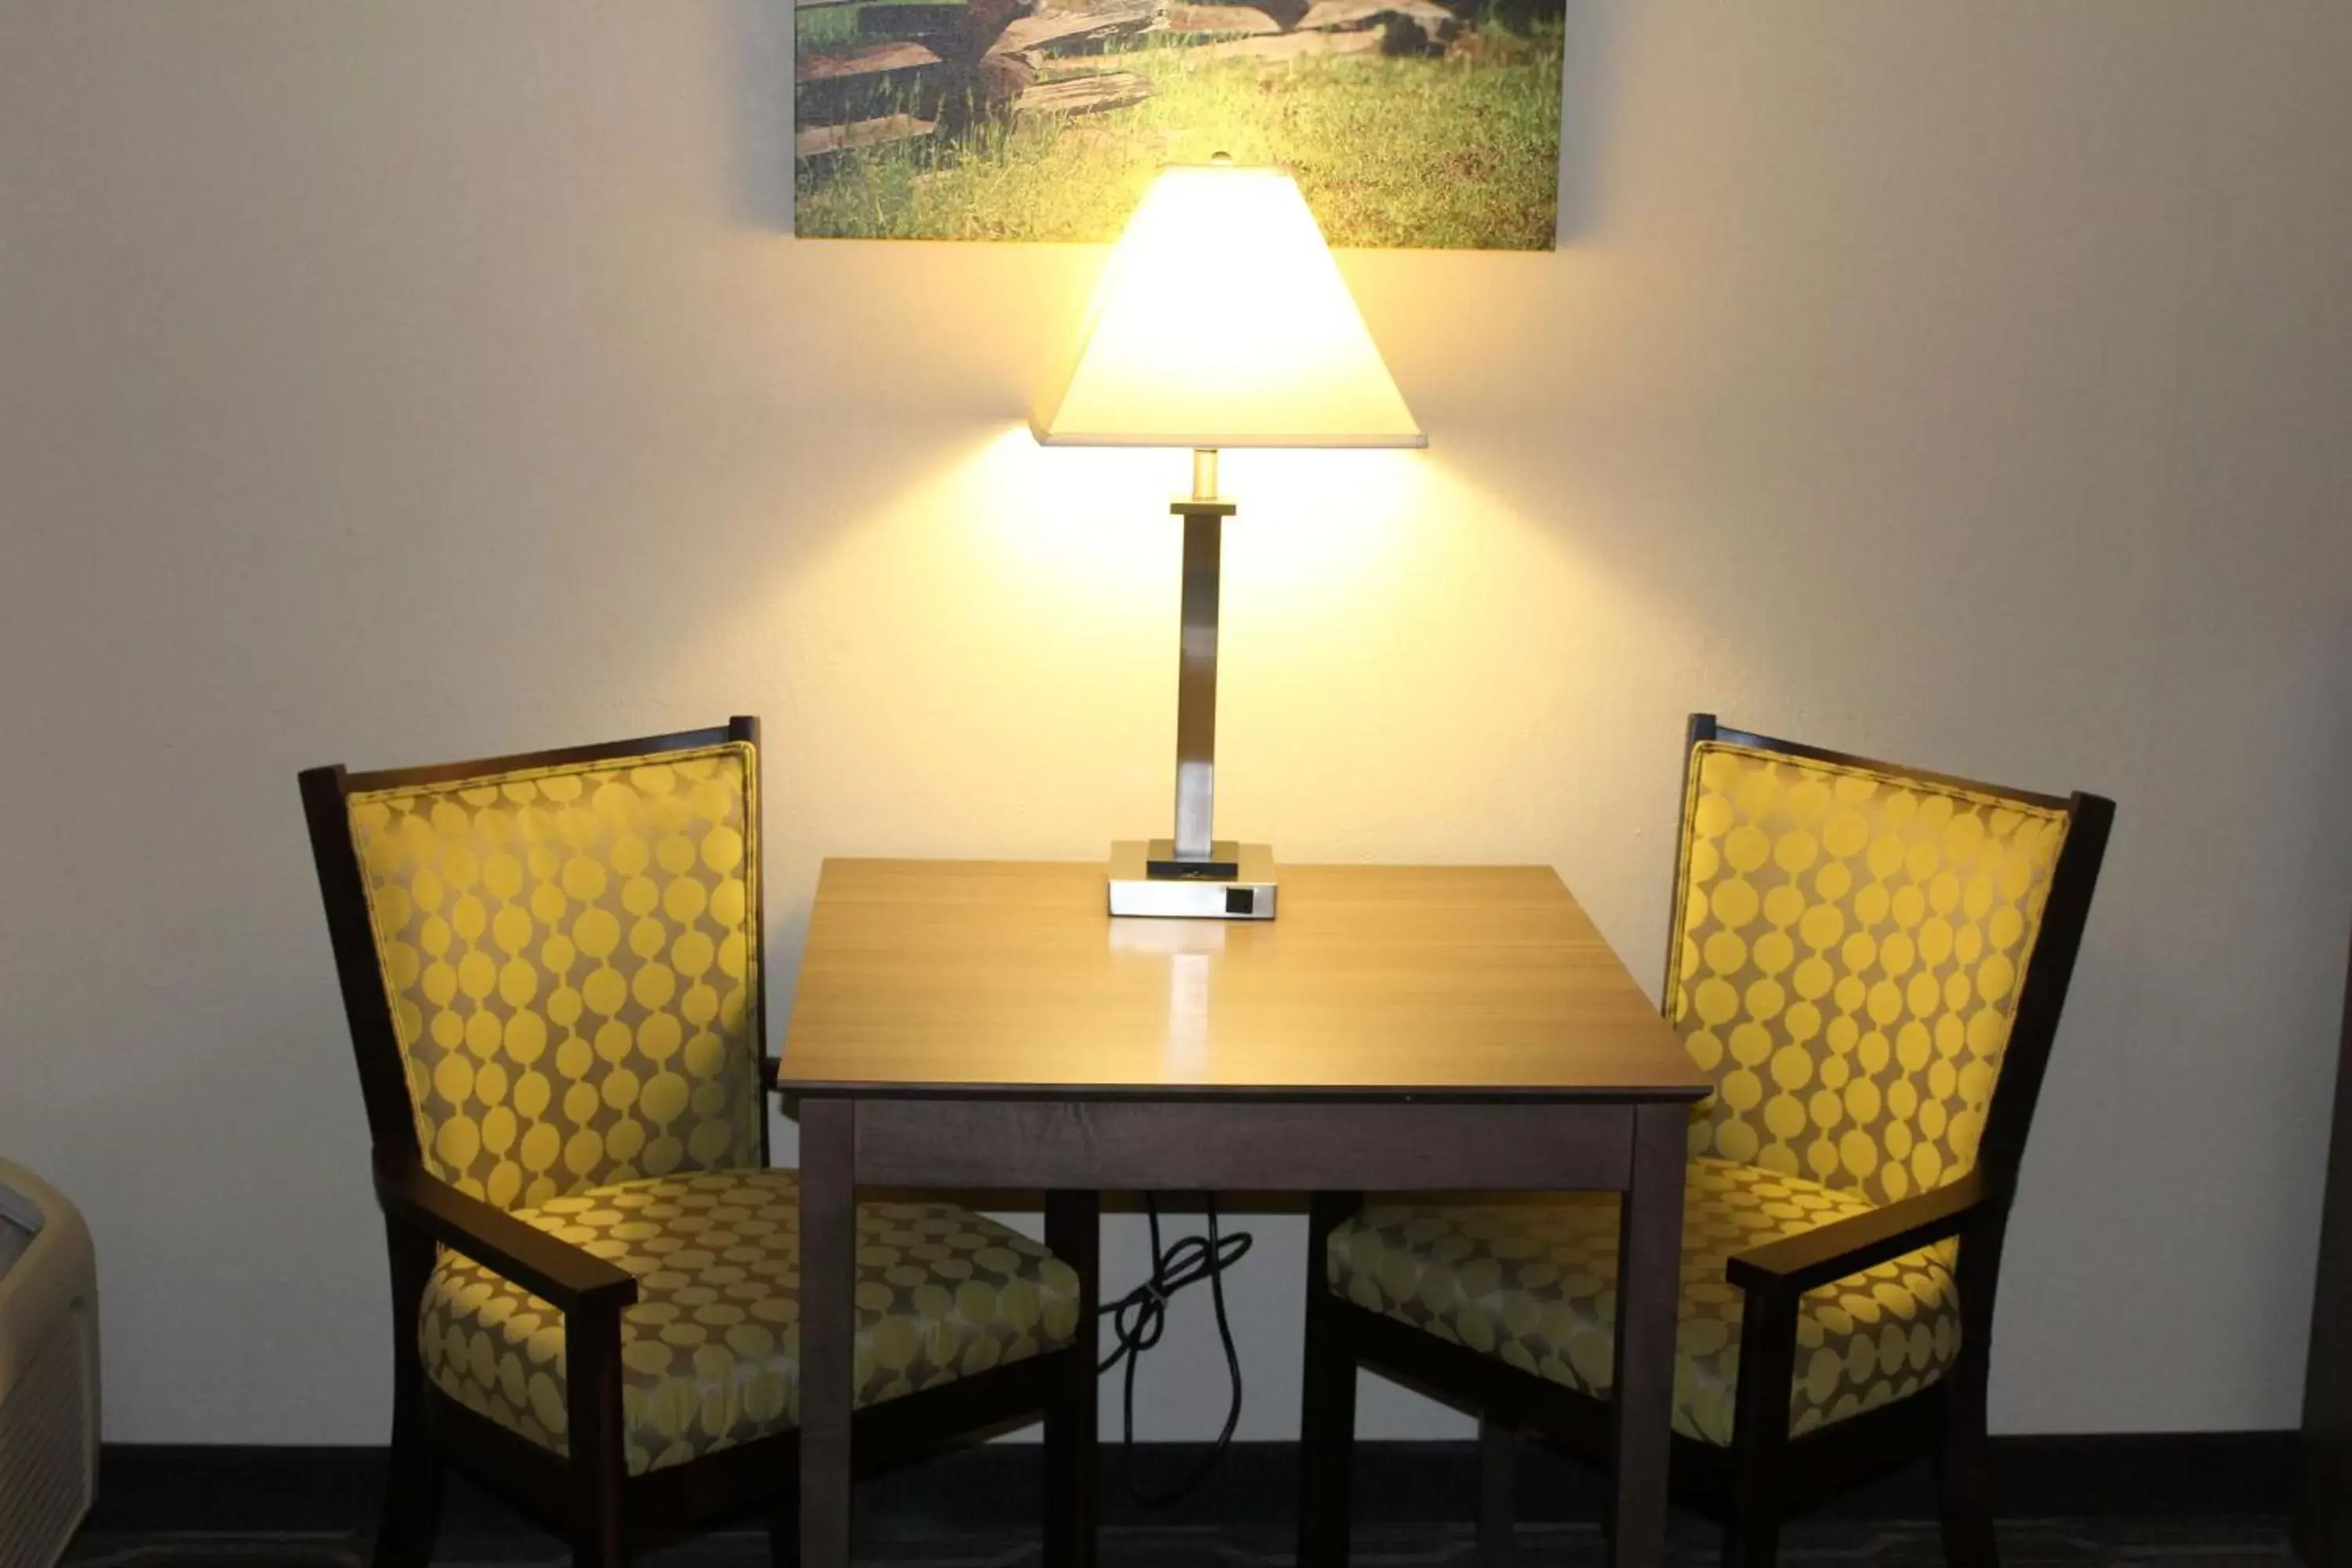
1223, 322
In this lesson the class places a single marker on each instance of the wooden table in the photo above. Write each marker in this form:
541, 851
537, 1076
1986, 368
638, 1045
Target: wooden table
972, 1025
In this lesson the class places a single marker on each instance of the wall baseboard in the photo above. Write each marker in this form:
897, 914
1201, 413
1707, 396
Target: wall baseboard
223, 1488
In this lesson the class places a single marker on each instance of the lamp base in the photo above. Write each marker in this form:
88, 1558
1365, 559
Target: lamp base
1244, 893
1162, 863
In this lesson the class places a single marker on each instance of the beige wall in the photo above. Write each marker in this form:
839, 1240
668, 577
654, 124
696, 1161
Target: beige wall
1966, 383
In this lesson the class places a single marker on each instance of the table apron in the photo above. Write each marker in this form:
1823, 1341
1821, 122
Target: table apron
1261, 1146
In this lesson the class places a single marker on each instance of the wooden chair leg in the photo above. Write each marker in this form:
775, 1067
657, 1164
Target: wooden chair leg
1326, 1426
592, 1349
1964, 1471
1074, 1233
412, 1490
412, 1487
1963, 1464
1759, 1446
784, 1519
1498, 1454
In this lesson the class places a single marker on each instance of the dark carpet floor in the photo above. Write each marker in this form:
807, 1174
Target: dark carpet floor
2055, 1543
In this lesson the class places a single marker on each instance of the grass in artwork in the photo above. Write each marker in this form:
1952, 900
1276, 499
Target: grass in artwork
1415, 126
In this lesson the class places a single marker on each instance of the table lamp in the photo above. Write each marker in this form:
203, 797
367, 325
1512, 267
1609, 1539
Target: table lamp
1221, 321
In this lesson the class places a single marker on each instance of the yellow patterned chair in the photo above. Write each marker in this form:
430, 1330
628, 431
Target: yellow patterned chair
552, 970
1869, 962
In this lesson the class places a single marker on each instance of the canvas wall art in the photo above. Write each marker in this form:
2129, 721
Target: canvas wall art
1407, 122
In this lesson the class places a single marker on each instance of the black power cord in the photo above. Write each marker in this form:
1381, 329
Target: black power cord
1140, 1318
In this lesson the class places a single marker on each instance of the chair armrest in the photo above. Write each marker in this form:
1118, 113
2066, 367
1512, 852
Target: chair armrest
1796, 1264
550, 1267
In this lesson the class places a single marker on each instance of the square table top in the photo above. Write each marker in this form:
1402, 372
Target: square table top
972, 978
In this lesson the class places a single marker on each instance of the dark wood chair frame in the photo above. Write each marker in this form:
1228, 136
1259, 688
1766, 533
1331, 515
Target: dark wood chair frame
589, 1496
1765, 1475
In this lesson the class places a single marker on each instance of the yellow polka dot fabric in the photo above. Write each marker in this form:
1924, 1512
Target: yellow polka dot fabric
571, 959
1533, 1280
1849, 949
711, 1351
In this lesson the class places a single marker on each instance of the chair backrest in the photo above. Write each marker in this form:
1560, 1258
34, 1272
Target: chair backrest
1861, 955
552, 962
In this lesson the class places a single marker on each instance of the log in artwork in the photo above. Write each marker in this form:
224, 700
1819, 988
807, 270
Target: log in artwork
1407, 122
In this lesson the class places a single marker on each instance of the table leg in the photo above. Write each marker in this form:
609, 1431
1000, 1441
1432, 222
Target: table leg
1327, 1417
1074, 1232
828, 1325
1649, 1268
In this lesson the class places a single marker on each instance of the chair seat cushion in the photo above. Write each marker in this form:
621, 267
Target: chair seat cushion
1533, 1280
711, 1351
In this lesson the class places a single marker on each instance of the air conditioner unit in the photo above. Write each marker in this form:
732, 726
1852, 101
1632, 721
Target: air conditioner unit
48, 1370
